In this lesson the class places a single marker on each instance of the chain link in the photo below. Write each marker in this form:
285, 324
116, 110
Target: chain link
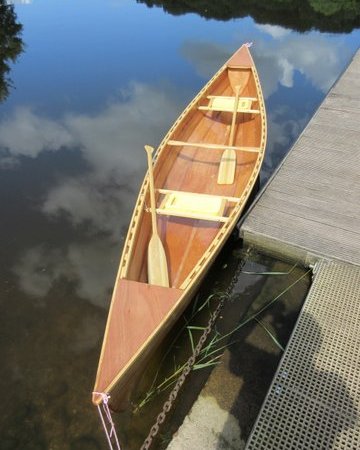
192, 359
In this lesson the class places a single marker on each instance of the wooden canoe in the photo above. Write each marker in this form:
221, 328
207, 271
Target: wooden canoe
194, 215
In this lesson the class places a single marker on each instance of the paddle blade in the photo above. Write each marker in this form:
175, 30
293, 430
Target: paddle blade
157, 264
227, 167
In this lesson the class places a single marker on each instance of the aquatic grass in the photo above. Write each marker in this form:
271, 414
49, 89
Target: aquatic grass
265, 307
194, 313
218, 338
178, 369
219, 295
195, 304
270, 334
271, 273
207, 364
197, 328
210, 354
191, 339
163, 386
210, 345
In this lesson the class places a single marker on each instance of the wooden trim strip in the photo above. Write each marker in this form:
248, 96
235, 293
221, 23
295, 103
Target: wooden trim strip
233, 66
134, 228
213, 146
253, 99
229, 199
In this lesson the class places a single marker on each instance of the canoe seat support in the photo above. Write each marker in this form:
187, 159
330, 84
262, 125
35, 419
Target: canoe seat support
227, 104
194, 206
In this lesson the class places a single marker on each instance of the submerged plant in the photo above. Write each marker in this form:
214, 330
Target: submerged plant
211, 353
272, 273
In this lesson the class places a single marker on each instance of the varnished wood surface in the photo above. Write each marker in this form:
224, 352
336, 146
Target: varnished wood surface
195, 169
137, 310
311, 208
141, 313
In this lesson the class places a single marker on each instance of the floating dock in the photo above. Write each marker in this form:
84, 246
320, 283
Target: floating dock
314, 399
310, 209
309, 212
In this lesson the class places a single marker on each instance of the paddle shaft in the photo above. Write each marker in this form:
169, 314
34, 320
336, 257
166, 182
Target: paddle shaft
227, 166
149, 150
233, 121
156, 257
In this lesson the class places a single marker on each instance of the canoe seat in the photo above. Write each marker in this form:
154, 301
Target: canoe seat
193, 206
227, 104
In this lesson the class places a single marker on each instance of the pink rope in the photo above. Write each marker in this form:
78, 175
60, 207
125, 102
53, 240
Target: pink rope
109, 428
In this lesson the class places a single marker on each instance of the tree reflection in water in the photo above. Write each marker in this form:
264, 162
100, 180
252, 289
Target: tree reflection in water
300, 15
11, 45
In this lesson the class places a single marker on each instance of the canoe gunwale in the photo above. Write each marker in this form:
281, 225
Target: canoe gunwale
195, 276
140, 203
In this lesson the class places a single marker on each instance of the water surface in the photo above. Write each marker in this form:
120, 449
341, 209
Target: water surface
85, 86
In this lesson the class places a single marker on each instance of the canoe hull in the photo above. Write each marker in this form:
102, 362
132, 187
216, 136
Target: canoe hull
185, 171
122, 386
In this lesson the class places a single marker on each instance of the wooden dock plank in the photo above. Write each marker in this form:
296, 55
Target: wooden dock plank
313, 216
312, 208
342, 103
312, 205
348, 86
328, 114
288, 240
312, 191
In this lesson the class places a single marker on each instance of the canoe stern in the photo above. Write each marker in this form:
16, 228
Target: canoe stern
138, 311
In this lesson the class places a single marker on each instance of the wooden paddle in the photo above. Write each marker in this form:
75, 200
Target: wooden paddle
156, 258
227, 167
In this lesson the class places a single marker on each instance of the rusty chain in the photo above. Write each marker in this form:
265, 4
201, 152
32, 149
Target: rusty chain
192, 359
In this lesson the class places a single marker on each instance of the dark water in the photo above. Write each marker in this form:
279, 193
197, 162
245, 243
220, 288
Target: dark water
239, 359
83, 86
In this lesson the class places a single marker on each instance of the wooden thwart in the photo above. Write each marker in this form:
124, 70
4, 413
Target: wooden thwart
229, 199
230, 103
218, 103
214, 146
253, 99
217, 108
238, 66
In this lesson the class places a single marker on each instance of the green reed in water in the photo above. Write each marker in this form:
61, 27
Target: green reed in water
212, 352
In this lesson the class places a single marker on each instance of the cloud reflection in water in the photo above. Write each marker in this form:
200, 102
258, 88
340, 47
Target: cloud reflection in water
111, 143
86, 266
318, 59
282, 57
99, 200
